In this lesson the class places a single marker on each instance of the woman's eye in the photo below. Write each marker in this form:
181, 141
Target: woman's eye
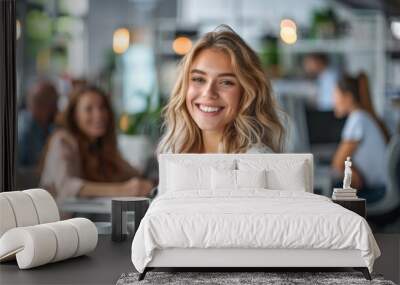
198, 79
227, 83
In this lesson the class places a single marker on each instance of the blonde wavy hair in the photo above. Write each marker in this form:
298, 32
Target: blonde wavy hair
258, 120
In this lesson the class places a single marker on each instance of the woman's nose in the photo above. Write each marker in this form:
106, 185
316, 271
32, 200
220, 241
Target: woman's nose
98, 114
210, 91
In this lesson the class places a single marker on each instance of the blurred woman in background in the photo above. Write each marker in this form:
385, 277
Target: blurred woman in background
82, 157
364, 137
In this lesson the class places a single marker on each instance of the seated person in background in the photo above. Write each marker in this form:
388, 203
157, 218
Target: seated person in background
82, 157
36, 123
364, 138
222, 101
317, 65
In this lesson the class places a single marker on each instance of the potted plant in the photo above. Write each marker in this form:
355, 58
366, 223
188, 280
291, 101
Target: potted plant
139, 134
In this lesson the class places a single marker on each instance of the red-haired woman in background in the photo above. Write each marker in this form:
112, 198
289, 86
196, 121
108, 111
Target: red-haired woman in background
82, 158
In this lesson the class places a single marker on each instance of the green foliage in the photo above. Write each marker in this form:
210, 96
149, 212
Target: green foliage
325, 24
147, 122
269, 54
38, 25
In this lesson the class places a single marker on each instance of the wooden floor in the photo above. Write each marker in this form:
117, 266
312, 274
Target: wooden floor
389, 262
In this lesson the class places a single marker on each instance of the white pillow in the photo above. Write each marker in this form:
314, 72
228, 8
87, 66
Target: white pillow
182, 177
293, 180
236, 179
251, 179
186, 174
223, 179
283, 174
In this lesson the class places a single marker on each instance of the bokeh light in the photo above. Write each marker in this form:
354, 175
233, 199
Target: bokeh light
288, 23
124, 123
121, 40
182, 45
288, 32
395, 27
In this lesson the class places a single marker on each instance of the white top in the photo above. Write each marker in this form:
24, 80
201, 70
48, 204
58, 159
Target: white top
369, 157
253, 149
259, 148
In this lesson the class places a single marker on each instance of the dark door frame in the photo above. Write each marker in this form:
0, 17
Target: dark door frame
8, 97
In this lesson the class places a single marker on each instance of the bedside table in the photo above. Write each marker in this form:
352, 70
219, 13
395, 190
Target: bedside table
120, 206
357, 205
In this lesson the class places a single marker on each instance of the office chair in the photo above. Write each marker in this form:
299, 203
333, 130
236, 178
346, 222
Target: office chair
391, 201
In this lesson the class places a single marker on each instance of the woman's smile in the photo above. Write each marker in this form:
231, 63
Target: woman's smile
209, 109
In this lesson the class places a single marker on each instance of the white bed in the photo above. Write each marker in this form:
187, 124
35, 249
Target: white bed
199, 219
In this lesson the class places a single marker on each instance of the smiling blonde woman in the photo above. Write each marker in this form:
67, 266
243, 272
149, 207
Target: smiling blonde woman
222, 101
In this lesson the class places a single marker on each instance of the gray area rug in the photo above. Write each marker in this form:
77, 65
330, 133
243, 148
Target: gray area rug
225, 278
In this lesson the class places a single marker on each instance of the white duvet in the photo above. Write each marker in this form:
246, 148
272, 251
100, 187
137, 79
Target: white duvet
254, 218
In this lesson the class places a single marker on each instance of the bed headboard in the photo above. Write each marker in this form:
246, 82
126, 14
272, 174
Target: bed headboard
283, 165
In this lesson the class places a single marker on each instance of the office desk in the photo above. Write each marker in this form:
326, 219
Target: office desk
86, 205
102, 266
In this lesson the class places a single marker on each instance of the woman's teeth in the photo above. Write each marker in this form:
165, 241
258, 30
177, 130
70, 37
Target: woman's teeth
209, 109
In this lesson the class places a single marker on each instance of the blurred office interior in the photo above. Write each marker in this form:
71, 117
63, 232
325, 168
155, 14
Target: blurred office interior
131, 48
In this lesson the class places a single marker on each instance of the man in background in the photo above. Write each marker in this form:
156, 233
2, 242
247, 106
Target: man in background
317, 65
35, 123
319, 112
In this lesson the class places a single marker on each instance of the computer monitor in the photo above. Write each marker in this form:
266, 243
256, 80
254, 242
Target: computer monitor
324, 133
323, 127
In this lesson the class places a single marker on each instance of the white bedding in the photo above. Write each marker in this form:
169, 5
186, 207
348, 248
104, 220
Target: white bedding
253, 218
